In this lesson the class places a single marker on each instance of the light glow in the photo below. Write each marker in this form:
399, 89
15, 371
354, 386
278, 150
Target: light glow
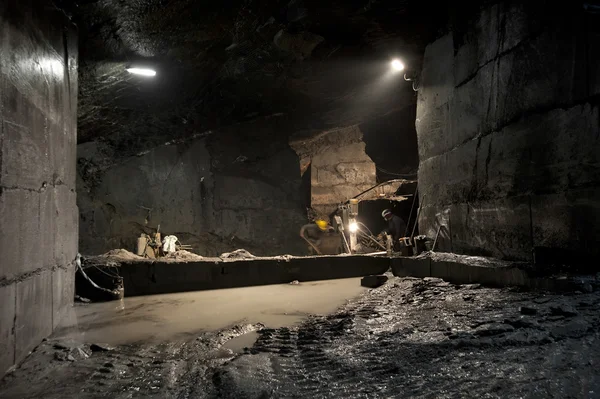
397, 65
142, 71
353, 227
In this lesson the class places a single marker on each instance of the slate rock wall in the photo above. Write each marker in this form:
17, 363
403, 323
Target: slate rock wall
508, 133
339, 167
38, 212
235, 189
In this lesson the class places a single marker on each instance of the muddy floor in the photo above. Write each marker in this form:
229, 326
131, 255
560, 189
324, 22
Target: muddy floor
411, 338
180, 315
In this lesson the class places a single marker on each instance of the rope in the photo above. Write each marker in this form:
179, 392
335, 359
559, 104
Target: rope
108, 274
92, 282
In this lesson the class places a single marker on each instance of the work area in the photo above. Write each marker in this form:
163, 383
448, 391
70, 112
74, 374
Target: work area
265, 199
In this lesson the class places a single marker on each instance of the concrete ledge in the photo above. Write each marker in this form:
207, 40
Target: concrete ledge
159, 277
411, 267
461, 269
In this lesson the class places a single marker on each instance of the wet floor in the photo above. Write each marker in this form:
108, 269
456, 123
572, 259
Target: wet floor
171, 316
410, 338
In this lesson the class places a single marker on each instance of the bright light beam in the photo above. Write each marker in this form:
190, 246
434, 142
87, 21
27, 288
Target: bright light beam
353, 227
397, 65
142, 71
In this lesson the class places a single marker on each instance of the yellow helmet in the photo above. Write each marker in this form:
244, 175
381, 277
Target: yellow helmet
322, 224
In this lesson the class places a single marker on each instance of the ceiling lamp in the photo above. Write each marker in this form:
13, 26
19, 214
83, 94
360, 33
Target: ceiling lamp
397, 65
142, 71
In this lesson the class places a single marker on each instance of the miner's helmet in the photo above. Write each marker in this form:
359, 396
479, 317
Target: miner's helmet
386, 214
321, 223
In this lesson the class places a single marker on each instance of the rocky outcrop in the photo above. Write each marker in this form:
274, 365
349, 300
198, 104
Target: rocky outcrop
508, 134
339, 167
216, 193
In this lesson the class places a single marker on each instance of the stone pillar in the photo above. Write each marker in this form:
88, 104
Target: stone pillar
340, 168
38, 213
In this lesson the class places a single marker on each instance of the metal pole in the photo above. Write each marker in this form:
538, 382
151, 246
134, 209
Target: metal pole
417, 219
346, 242
436, 237
412, 207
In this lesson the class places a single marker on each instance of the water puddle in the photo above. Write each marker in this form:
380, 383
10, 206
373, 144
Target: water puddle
238, 344
170, 316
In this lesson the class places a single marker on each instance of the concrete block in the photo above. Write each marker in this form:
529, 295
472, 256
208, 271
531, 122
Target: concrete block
411, 267
467, 273
498, 228
63, 289
7, 327
34, 314
373, 281
19, 232
144, 278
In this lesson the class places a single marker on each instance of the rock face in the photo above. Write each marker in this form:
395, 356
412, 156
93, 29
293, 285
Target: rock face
38, 213
216, 193
508, 134
339, 167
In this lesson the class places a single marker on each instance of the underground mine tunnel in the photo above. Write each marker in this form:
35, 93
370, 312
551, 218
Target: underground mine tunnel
264, 198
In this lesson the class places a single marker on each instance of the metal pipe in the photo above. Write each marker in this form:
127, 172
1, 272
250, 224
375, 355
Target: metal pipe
417, 219
346, 242
370, 237
412, 207
436, 237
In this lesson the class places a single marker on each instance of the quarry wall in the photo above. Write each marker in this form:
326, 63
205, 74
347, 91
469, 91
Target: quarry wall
38, 212
508, 133
237, 188
339, 167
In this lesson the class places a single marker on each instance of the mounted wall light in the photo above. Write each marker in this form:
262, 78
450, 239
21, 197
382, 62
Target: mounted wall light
142, 71
397, 65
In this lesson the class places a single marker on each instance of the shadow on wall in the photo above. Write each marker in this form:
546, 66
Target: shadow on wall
391, 142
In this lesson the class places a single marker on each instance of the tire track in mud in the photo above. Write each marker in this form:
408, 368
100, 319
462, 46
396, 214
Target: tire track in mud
309, 362
412, 339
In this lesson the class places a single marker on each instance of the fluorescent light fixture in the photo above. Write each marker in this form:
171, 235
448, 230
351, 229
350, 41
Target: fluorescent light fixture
397, 65
142, 71
353, 227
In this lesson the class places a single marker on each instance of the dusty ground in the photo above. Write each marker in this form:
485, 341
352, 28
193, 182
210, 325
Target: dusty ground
409, 338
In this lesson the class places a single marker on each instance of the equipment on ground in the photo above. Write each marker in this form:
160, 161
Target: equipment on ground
152, 246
